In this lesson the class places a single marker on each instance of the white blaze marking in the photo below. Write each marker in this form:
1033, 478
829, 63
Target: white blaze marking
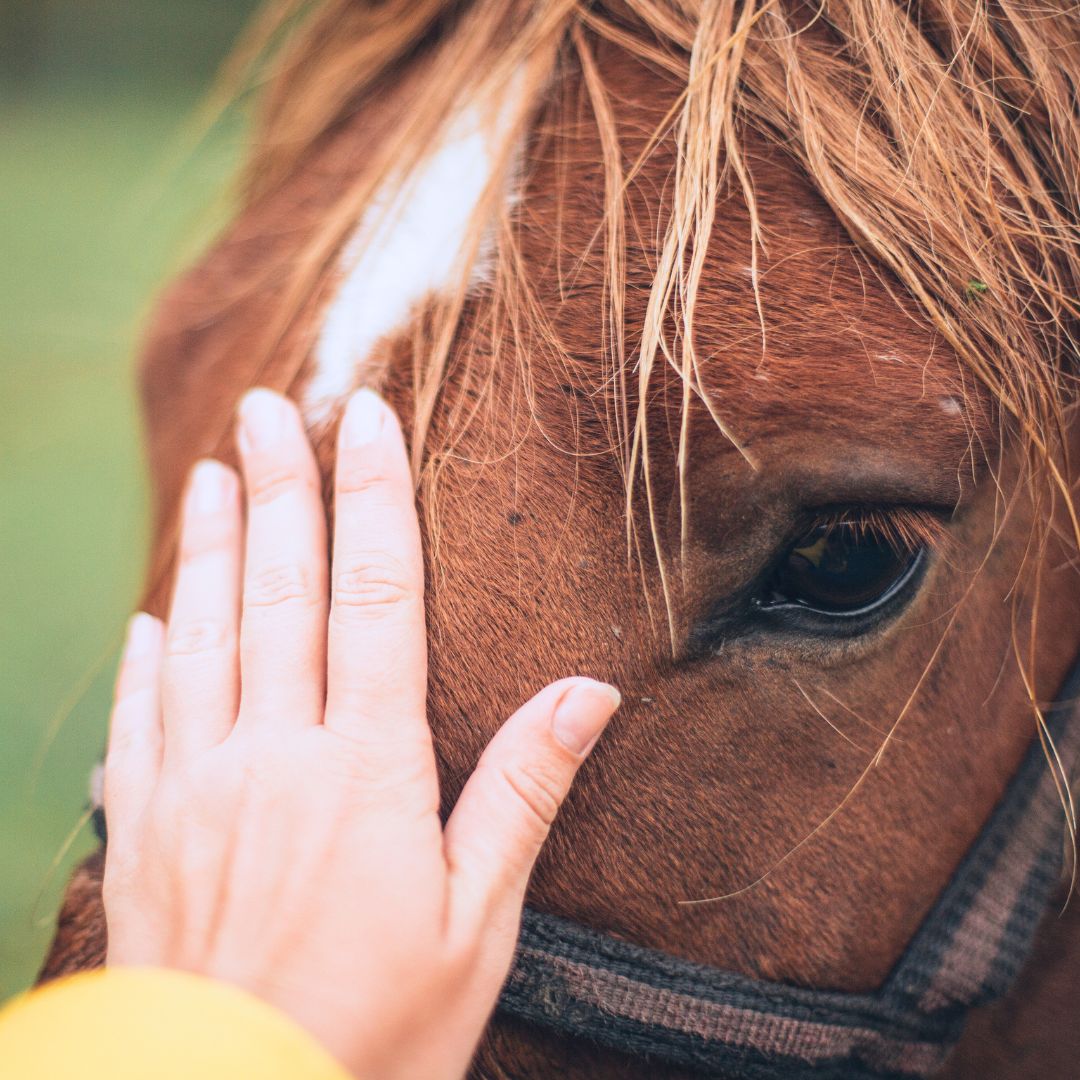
950, 406
408, 245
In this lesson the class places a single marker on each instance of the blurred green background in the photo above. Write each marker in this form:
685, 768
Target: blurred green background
101, 199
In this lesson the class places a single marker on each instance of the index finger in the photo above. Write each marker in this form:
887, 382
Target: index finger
376, 648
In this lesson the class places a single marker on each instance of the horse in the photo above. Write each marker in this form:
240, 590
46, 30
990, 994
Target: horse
736, 340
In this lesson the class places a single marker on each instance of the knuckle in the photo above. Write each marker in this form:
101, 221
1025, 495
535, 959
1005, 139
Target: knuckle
265, 771
279, 583
207, 537
358, 475
193, 549
538, 789
266, 486
351, 765
399, 776
197, 637
134, 676
372, 587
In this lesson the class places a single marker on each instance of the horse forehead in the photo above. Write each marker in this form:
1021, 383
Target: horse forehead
803, 329
787, 327
805, 320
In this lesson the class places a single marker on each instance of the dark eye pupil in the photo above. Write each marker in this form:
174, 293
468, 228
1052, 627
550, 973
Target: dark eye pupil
840, 568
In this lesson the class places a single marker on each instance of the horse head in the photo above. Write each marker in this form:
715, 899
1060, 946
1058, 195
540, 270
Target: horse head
735, 343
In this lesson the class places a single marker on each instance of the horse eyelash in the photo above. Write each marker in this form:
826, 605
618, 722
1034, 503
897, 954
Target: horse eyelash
905, 528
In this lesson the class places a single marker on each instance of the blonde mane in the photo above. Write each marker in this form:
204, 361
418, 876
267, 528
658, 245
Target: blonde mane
944, 136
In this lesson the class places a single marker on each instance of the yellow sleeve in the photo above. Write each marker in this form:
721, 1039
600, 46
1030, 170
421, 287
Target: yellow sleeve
136, 1023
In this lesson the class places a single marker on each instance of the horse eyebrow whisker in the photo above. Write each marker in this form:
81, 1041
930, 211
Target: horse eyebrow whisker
843, 735
858, 716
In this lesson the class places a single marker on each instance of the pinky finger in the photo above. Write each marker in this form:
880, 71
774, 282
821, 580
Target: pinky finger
133, 758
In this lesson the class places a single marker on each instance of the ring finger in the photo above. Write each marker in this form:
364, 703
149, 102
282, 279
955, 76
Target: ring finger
200, 683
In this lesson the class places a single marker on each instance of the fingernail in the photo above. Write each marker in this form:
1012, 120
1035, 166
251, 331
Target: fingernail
363, 420
583, 714
207, 493
262, 419
142, 631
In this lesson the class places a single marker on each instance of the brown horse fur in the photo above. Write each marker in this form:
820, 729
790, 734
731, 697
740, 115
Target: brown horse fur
824, 789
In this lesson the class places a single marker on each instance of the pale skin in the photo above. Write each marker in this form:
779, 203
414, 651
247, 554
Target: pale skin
270, 783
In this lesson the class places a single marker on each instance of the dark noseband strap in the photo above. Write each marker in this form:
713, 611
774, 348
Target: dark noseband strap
578, 982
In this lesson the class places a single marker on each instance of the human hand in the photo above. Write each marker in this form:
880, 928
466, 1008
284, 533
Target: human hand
270, 785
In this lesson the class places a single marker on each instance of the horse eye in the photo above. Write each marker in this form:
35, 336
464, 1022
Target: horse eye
840, 569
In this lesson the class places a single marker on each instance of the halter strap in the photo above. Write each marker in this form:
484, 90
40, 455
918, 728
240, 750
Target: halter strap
967, 952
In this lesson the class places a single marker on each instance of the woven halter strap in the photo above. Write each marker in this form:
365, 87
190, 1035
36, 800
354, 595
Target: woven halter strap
581, 983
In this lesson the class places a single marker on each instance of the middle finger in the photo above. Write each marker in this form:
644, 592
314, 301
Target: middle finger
377, 652
283, 625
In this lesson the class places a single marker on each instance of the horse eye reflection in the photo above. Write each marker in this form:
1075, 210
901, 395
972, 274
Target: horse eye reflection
841, 568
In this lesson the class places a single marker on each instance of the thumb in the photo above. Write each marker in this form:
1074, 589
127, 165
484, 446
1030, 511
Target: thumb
504, 813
